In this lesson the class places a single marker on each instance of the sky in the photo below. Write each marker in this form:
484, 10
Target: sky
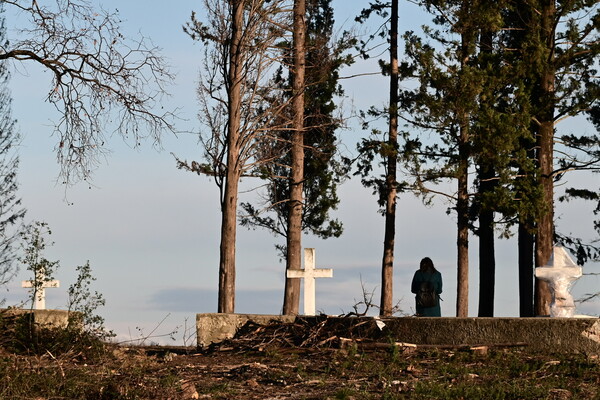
151, 231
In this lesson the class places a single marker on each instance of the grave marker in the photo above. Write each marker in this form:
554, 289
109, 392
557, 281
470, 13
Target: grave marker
309, 273
560, 273
39, 302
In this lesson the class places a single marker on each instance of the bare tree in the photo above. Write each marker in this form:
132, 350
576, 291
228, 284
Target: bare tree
100, 78
239, 38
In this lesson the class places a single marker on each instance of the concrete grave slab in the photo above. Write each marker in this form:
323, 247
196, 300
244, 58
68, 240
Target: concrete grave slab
42, 318
214, 328
550, 335
555, 335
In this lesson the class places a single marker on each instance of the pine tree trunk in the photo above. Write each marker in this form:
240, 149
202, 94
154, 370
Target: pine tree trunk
387, 268
487, 260
226, 297
462, 206
462, 201
487, 173
294, 233
545, 226
526, 268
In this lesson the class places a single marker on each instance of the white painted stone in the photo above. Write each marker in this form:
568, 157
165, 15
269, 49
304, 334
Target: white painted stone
560, 273
593, 333
380, 324
39, 302
309, 273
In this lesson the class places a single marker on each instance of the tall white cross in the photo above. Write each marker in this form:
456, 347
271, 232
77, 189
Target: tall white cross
309, 273
39, 302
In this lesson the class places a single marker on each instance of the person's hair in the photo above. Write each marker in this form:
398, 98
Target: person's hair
427, 265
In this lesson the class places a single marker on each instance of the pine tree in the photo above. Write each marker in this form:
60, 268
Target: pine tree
386, 187
450, 82
500, 127
11, 209
533, 74
293, 259
323, 168
556, 50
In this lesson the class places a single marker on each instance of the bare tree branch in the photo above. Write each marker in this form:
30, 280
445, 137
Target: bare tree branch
102, 82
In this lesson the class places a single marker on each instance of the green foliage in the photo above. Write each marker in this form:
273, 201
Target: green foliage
381, 9
474, 102
34, 242
373, 152
85, 328
499, 89
594, 114
324, 168
11, 209
23, 335
574, 63
378, 154
345, 394
84, 303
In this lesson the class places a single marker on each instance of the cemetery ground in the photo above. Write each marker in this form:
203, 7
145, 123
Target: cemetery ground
284, 361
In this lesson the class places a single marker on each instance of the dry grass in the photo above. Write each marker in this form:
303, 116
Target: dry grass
65, 365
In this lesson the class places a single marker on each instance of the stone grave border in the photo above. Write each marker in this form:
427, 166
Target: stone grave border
541, 334
58, 319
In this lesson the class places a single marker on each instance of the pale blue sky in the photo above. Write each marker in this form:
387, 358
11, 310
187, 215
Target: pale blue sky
151, 232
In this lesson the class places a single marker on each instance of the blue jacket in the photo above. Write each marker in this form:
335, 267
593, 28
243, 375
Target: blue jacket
436, 279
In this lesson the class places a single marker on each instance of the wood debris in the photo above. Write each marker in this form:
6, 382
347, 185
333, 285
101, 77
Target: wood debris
324, 333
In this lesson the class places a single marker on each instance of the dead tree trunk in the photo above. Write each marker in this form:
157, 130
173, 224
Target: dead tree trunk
226, 295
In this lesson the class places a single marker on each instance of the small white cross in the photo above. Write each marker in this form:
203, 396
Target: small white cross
309, 273
39, 302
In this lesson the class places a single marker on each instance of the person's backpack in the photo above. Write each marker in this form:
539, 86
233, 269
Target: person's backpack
426, 296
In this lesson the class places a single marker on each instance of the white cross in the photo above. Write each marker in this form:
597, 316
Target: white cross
309, 273
39, 302
560, 273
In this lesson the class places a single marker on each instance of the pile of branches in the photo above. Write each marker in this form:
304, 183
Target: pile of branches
302, 333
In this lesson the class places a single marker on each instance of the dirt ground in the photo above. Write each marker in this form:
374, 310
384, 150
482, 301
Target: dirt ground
377, 373
274, 374
292, 362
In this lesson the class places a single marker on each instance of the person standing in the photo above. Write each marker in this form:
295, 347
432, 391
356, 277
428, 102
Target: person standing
427, 286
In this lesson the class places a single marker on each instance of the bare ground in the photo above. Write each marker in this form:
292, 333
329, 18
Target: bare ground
270, 364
